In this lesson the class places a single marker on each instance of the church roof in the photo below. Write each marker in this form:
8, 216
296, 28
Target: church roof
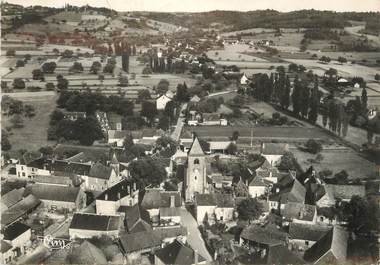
196, 148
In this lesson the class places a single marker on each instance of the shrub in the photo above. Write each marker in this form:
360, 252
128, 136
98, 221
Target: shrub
313, 146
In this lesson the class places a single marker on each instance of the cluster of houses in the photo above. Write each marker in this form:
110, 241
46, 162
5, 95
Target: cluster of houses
150, 220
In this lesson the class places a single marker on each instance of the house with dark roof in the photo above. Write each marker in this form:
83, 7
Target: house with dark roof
86, 253
58, 197
304, 236
177, 253
155, 199
259, 237
169, 234
299, 213
329, 249
29, 168
258, 187
7, 254
136, 218
18, 235
139, 243
124, 193
11, 198
288, 191
215, 206
27, 205
164, 99
330, 194
277, 254
86, 225
273, 152
100, 177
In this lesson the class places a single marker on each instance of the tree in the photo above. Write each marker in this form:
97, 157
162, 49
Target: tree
56, 116
147, 171
27, 57
66, 53
285, 97
87, 130
48, 68
342, 59
377, 77
5, 143
164, 123
20, 63
143, 94
182, 94
288, 162
123, 81
325, 59
29, 111
17, 121
18, 83
297, 96
313, 146
95, 67
50, 86
232, 149
38, 74
63, 84
149, 110
147, 70
76, 68
10, 53
162, 87
314, 103
362, 215
364, 100
249, 209
128, 142
109, 68
235, 136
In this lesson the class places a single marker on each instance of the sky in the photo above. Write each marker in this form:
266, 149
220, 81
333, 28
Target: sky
207, 5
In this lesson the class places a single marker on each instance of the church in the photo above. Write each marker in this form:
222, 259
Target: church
196, 176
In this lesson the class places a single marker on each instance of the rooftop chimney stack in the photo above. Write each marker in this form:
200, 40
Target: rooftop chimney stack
172, 201
195, 257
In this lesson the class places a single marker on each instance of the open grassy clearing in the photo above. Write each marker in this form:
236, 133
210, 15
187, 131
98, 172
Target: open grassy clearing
34, 133
335, 160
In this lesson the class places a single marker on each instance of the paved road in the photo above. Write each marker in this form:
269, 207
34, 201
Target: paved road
180, 122
194, 237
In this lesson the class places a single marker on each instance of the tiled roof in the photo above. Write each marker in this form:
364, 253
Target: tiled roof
258, 181
307, 231
300, 211
137, 219
87, 221
345, 192
154, 199
87, 253
264, 235
70, 167
100, 171
205, 200
178, 253
294, 193
116, 192
170, 211
15, 230
139, 241
169, 232
21, 208
5, 246
53, 192
224, 200
334, 241
12, 197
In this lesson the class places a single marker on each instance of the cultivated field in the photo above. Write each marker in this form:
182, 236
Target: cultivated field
34, 133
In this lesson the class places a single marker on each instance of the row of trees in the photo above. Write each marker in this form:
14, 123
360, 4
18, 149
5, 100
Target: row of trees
90, 102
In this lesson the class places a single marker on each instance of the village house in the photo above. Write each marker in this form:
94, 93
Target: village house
18, 236
100, 177
329, 194
258, 187
136, 244
136, 219
177, 253
87, 225
261, 238
123, 193
214, 207
299, 213
304, 236
162, 100
57, 197
155, 200
39, 166
331, 248
219, 146
294, 191
169, 234
19, 210
273, 152
213, 119
7, 254
11, 198
220, 181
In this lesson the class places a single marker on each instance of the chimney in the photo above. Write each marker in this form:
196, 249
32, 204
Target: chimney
118, 195
106, 197
130, 189
277, 190
134, 186
172, 201
195, 256
118, 126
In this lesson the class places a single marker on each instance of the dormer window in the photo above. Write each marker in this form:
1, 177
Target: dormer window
196, 161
